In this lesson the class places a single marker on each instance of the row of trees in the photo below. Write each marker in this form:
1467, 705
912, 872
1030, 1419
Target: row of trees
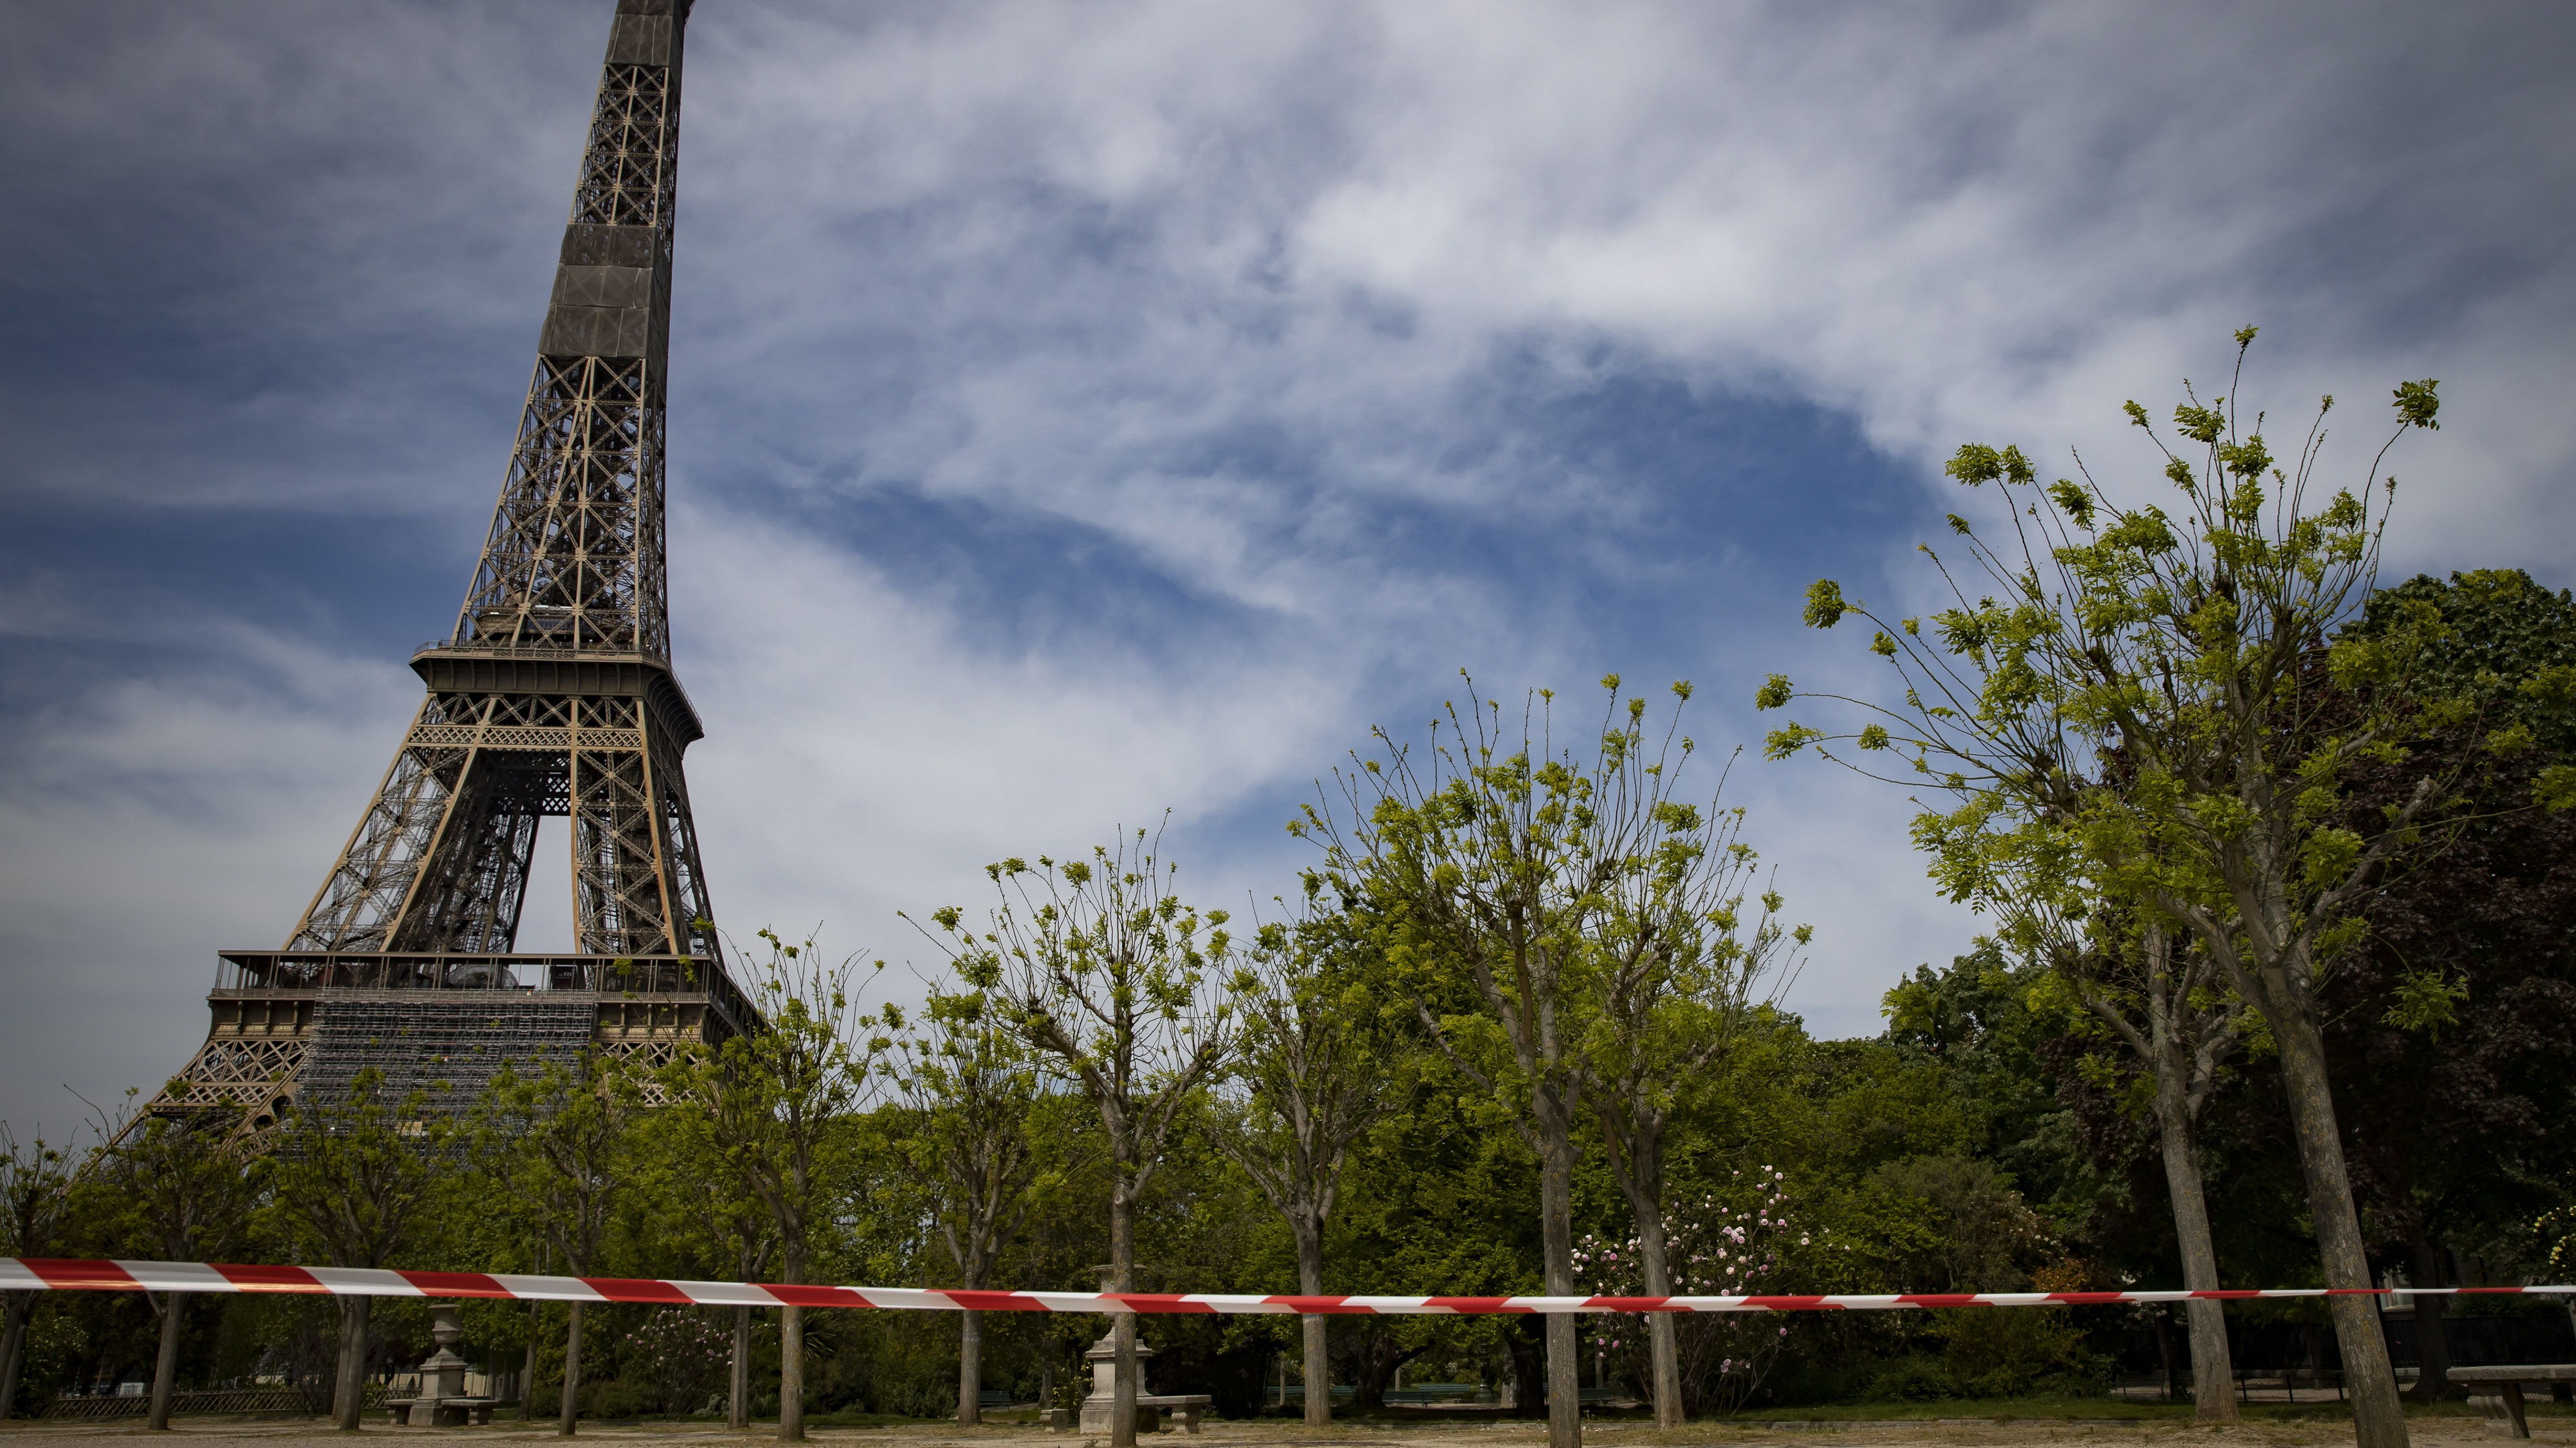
1975, 1146
1571, 936
1563, 928
2183, 753
1516, 1028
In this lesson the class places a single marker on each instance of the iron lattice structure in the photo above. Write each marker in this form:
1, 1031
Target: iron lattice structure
552, 695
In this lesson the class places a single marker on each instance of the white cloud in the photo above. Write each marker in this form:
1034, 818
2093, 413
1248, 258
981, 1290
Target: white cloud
146, 823
870, 755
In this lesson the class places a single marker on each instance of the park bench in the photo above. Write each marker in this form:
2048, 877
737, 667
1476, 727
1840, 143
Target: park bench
440, 1412
1295, 1394
1422, 1395
2499, 1390
1188, 1409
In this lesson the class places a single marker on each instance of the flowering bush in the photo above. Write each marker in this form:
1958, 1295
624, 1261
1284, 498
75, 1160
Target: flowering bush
1741, 1242
683, 1357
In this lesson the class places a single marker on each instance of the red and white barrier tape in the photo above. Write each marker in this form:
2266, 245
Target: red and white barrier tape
55, 1274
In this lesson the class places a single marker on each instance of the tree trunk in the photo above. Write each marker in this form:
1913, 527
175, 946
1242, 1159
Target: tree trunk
738, 1391
2213, 1375
1318, 1367
2379, 1419
13, 1341
568, 1407
165, 1365
2432, 1343
970, 1368
1380, 1366
1663, 1339
791, 1374
348, 1386
528, 1379
1556, 1232
1122, 1327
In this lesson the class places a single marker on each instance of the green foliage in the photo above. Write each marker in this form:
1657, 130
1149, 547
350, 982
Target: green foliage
777, 1109
1825, 604
1321, 1062
2557, 1232
556, 1151
2109, 632
36, 1217
1101, 966
2507, 659
35, 1195
354, 1179
971, 1085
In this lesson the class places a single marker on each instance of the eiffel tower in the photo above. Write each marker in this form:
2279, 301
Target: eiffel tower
553, 695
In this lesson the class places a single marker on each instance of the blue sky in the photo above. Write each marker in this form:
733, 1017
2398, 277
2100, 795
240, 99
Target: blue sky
1082, 411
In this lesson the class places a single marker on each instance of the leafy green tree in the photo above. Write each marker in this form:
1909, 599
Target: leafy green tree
1064, 1237
2457, 1023
557, 1151
1687, 962
706, 1213
1435, 1199
2128, 979
1551, 912
35, 1198
972, 1086
353, 1181
779, 1110
2164, 687
1315, 1074
185, 1189
1100, 966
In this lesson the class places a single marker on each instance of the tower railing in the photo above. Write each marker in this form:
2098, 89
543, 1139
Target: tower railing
622, 976
538, 651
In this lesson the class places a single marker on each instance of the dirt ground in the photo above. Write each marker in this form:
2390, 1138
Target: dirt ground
2430, 1432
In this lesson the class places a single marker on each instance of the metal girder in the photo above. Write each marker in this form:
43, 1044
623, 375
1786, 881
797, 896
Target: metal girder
553, 694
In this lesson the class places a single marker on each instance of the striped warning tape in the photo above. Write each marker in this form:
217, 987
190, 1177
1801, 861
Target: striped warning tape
25, 1274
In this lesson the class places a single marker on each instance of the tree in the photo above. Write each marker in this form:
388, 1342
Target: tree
1685, 966
778, 1107
2455, 1023
2185, 661
1315, 1074
557, 1149
725, 1222
1514, 883
1100, 966
35, 1195
185, 1188
353, 1181
972, 1086
2130, 979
